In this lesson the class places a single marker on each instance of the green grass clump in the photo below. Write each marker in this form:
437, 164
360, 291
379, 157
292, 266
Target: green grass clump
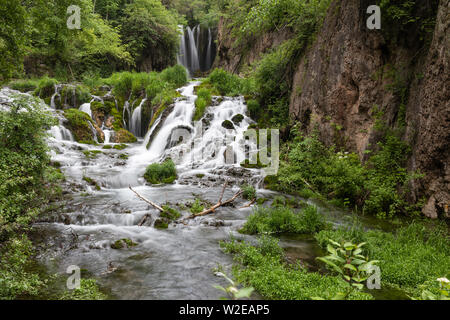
92, 154
24, 85
88, 290
170, 213
46, 87
123, 243
78, 123
410, 257
176, 76
263, 268
284, 220
249, 192
202, 102
158, 173
197, 206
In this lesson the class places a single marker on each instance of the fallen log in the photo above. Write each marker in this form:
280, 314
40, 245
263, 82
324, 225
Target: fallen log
218, 204
154, 205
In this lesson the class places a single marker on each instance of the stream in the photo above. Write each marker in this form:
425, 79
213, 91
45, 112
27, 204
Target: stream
175, 263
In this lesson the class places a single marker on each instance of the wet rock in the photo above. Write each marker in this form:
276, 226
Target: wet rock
123, 243
237, 119
227, 124
161, 223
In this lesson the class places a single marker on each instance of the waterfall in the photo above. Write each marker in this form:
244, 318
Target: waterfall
56, 94
197, 49
61, 133
135, 123
194, 62
86, 108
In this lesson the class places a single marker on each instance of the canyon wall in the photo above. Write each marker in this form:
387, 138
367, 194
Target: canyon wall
351, 76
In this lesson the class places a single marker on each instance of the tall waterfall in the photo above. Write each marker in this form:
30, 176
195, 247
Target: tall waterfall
197, 49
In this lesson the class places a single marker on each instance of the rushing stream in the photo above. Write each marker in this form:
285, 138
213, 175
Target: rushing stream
176, 263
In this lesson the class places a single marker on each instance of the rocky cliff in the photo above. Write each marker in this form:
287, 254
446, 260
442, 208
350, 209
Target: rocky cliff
351, 76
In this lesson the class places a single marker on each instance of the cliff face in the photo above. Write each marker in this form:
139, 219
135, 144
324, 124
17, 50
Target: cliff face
234, 58
350, 74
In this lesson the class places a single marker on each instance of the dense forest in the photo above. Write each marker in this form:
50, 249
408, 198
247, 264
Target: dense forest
96, 171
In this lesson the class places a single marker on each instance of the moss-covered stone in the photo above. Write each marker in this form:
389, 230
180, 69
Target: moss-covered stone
161, 223
124, 136
227, 124
92, 182
78, 123
123, 243
170, 213
237, 119
75, 96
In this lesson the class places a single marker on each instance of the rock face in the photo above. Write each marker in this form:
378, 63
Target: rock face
233, 58
350, 73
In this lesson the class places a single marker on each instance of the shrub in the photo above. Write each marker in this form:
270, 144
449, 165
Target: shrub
197, 206
24, 85
408, 258
157, 173
282, 220
249, 192
46, 87
227, 84
200, 107
176, 76
88, 290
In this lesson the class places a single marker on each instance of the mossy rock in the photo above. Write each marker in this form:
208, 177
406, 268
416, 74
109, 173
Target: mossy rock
92, 182
123, 243
124, 136
118, 121
75, 96
46, 87
170, 213
120, 146
161, 223
227, 124
91, 154
78, 123
237, 119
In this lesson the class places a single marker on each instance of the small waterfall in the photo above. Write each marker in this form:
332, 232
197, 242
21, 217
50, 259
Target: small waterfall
135, 123
208, 51
86, 108
126, 108
56, 94
194, 62
61, 133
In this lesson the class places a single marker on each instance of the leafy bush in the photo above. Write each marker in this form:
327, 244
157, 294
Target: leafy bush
377, 187
24, 85
197, 206
176, 76
249, 192
46, 87
227, 84
157, 173
412, 256
263, 268
282, 219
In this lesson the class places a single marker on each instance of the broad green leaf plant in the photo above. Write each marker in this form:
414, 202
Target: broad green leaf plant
232, 291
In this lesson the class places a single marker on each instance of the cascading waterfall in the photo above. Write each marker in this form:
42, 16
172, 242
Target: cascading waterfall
135, 122
197, 49
86, 108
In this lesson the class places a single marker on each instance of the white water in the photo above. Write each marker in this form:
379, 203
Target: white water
192, 54
194, 63
86, 108
135, 123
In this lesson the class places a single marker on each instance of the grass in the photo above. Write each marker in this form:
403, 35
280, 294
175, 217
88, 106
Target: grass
282, 219
263, 268
158, 173
412, 256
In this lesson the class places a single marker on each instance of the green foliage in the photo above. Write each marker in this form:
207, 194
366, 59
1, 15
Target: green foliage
88, 290
197, 206
124, 136
176, 76
346, 259
282, 220
249, 192
46, 87
170, 213
157, 173
408, 258
24, 159
78, 123
264, 269
123, 243
225, 83
376, 187
24, 85
15, 277
203, 101
13, 35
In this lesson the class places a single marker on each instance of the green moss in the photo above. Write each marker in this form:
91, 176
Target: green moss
118, 120
227, 124
197, 206
46, 87
24, 85
158, 173
237, 119
161, 224
91, 154
120, 146
78, 123
123, 243
124, 136
92, 182
170, 213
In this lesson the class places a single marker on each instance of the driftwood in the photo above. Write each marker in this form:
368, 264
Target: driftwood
154, 205
218, 204
248, 204
144, 220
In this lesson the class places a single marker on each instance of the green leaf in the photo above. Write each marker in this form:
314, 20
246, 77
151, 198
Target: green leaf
351, 267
